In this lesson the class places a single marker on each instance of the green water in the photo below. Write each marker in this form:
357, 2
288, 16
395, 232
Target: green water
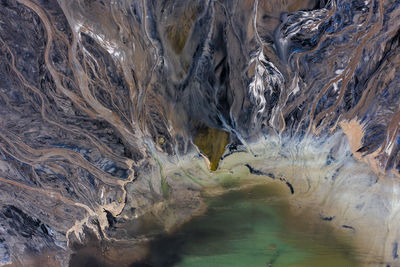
252, 227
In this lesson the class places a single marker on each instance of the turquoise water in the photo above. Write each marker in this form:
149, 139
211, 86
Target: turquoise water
247, 227
251, 227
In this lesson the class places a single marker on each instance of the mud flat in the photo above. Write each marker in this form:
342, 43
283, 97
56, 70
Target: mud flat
324, 194
320, 177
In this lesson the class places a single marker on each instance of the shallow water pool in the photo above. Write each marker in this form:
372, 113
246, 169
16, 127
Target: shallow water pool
252, 227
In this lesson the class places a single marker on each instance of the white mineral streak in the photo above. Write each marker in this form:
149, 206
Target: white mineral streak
266, 74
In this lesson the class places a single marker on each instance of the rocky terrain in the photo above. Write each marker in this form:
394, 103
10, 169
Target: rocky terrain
107, 109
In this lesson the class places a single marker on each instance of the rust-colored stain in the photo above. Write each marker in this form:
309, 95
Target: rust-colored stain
178, 32
212, 143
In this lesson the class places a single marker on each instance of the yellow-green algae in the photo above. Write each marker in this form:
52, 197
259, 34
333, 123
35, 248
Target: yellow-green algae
164, 185
212, 143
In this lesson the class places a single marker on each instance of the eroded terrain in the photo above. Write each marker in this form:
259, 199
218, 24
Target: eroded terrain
101, 103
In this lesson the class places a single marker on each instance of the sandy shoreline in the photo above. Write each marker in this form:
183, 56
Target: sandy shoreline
327, 181
327, 185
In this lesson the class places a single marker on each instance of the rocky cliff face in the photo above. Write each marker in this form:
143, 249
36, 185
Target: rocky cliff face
98, 99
